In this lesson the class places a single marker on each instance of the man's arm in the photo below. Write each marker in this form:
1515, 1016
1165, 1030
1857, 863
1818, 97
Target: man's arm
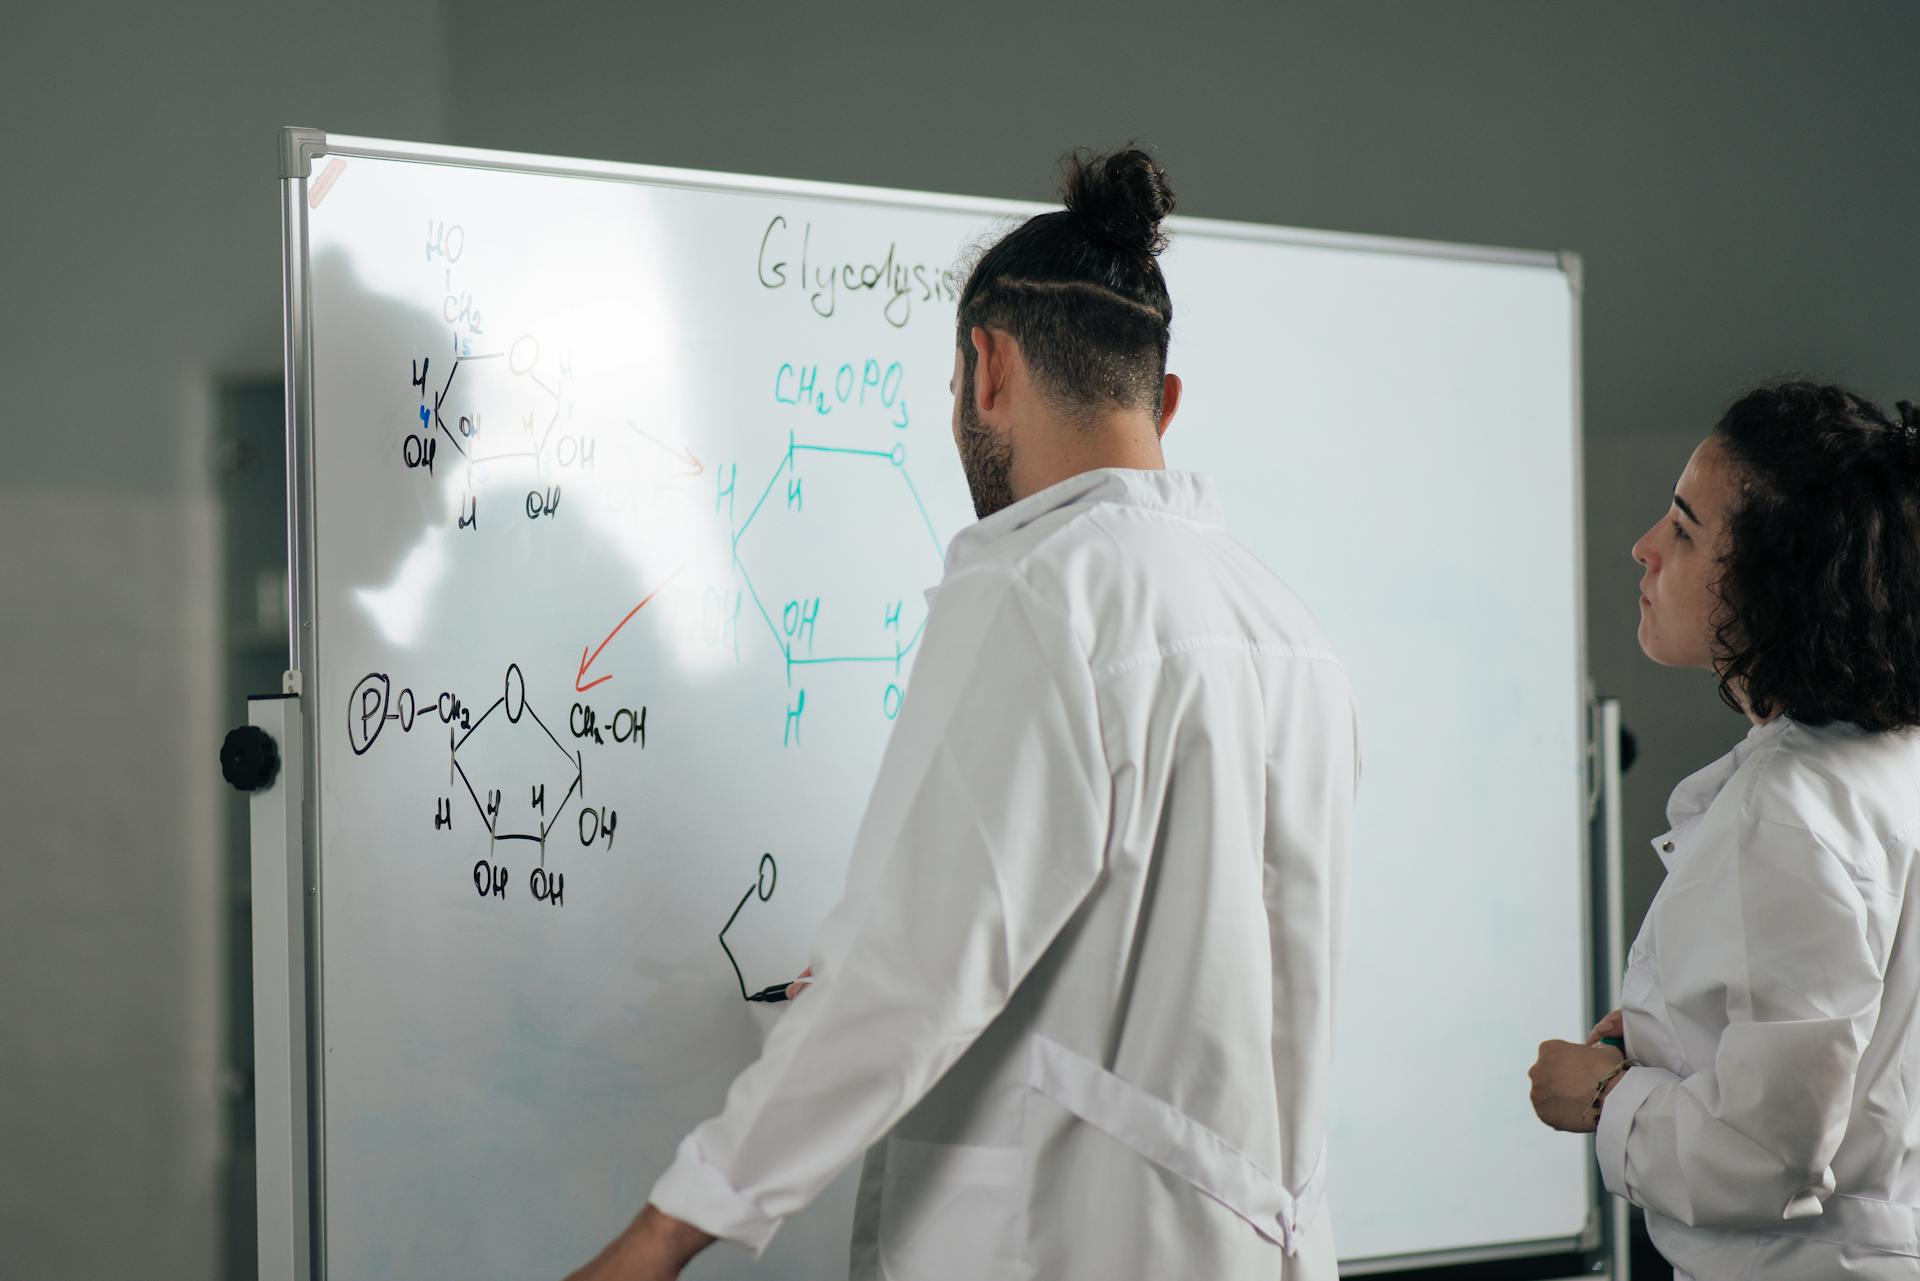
986, 830
655, 1247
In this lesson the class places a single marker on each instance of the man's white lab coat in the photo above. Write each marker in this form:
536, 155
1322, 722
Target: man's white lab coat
1078, 997
1772, 993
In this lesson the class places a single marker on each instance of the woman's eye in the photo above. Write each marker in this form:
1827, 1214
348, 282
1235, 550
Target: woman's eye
1679, 533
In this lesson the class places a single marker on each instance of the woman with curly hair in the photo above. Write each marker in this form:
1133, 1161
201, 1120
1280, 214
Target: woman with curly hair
1764, 1112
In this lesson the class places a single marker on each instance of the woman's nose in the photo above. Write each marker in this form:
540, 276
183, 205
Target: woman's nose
1643, 551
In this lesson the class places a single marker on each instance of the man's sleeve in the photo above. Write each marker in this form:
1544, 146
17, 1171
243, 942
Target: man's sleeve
986, 831
1747, 1141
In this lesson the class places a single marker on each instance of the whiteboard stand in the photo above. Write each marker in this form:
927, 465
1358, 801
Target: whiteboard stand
280, 996
1612, 950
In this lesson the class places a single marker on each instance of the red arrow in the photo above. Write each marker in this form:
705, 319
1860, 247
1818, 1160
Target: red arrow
587, 659
685, 455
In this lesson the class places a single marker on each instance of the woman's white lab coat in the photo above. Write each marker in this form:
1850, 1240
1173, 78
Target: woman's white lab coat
1078, 996
1772, 994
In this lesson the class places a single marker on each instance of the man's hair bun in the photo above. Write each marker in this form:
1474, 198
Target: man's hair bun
1080, 288
1119, 199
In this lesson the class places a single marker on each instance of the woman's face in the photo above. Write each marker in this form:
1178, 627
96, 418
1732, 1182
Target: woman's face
1679, 561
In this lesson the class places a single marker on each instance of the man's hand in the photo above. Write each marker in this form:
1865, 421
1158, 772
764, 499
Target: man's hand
1613, 1025
1564, 1077
799, 985
654, 1247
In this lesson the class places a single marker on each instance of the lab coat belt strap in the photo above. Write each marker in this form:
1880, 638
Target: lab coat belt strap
1891, 1226
1177, 1143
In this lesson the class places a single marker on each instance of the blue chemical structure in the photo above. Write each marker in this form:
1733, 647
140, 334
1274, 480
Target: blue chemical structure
822, 508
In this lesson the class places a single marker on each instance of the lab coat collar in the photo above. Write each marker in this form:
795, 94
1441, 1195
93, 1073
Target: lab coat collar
1185, 494
1697, 791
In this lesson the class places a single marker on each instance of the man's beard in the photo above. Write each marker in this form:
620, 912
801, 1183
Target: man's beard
986, 459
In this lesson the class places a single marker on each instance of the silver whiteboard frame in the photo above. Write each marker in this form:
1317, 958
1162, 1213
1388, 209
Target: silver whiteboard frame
300, 147
283, 1249
297, 352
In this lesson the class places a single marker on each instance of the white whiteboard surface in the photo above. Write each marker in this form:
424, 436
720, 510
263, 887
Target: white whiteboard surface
705, 472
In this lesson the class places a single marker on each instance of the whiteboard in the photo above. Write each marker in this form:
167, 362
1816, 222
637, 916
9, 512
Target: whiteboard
616, 493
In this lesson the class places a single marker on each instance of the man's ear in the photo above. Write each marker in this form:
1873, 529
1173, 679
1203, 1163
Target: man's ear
989, 368
1169, 403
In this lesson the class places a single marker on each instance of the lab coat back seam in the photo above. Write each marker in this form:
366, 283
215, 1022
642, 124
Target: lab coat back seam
1096, 516
1100, 512
983, 536
1143, 511
1020, 569
1174, 649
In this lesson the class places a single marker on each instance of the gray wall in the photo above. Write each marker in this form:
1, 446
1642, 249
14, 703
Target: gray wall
1738, 175
139, 267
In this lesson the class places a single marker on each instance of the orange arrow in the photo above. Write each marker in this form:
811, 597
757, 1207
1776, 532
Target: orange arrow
587, 659
685, 455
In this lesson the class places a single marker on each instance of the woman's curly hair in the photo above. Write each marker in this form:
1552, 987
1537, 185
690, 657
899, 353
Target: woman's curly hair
1819, 613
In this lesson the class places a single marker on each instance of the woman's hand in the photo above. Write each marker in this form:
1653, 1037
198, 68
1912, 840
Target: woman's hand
1613, 1025
799, 985
1564, 1078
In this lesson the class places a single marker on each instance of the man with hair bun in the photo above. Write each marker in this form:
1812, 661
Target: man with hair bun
1076, 1005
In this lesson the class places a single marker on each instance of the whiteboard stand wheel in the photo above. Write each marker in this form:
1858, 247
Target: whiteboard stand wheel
249, 758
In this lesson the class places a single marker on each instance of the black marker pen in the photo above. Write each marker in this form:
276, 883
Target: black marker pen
778, 992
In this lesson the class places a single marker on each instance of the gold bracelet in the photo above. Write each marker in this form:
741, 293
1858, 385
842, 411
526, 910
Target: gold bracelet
1600, 1090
